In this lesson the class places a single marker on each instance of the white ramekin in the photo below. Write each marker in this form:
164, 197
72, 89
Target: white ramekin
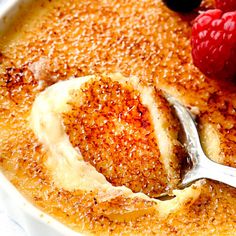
33, 221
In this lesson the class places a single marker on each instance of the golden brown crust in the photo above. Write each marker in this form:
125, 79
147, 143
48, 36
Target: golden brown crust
141, 38
114, 132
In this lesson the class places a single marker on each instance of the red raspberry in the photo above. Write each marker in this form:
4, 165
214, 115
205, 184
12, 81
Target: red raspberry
214, 44
226, 5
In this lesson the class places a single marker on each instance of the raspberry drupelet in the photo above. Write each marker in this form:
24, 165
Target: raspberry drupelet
214, 44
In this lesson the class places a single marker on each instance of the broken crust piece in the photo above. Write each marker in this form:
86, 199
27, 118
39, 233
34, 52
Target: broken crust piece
71, 172
68, 168
127, 132
154, 166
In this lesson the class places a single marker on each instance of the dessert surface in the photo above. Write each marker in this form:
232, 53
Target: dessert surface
58, 40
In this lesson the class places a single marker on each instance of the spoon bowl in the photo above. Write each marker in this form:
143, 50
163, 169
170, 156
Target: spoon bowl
201, 166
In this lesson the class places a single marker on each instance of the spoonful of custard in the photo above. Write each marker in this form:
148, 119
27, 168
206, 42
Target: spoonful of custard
112, 132
128, 132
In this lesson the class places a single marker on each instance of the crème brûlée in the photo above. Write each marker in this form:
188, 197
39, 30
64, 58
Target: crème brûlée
86, 132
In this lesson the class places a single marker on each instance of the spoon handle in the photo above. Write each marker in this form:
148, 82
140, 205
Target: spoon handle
203, 167
215, 171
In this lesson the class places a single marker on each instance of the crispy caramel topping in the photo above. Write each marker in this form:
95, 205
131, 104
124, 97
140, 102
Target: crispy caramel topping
114, 132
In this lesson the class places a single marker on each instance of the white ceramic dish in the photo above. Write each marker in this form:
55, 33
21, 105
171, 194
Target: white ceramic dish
33, 221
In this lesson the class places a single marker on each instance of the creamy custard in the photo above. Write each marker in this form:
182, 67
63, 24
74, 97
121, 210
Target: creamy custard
68, 168
67, 163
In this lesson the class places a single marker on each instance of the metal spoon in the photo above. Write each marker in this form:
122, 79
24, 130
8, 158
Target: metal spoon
202, 166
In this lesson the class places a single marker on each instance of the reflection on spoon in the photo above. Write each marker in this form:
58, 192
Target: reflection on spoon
200, 165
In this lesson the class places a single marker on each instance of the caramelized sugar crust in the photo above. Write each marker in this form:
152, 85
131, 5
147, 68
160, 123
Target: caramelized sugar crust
141, 38
114, 132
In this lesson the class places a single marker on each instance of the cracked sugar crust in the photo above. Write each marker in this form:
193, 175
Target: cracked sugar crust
141, 38
114, 131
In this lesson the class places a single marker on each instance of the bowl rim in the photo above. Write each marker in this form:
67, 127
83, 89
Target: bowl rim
35, 213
